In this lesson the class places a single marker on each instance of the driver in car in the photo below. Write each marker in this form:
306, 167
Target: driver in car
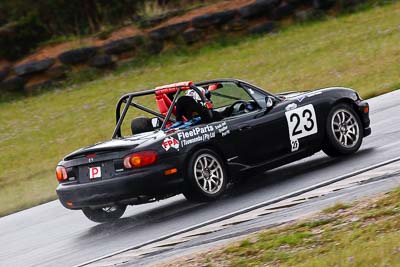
190, 106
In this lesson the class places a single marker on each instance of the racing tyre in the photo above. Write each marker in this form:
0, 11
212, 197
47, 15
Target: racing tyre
343, 131
206, 178
106, 214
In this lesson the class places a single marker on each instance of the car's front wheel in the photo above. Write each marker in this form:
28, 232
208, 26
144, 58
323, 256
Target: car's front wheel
343, 131
106, 214
206, 178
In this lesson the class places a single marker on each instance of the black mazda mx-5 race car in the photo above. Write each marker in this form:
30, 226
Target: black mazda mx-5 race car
235, 127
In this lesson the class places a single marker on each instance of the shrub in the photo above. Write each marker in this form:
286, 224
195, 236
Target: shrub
20, 37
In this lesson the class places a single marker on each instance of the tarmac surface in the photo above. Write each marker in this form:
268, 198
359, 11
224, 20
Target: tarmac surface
50, 235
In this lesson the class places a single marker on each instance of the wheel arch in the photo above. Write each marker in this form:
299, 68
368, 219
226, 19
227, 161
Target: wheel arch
352, 104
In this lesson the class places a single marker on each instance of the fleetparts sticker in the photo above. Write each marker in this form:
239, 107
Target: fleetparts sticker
196, 135
222, 128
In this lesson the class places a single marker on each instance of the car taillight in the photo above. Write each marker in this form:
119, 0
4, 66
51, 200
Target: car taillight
140, 159
61, 173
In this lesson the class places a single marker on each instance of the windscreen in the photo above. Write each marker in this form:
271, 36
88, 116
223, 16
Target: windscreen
227, 93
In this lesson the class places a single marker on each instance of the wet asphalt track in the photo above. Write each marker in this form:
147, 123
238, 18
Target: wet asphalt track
50, 235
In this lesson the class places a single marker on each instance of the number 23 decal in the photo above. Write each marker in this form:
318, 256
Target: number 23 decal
302, 122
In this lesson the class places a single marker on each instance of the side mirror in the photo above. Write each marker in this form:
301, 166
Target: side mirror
269, 101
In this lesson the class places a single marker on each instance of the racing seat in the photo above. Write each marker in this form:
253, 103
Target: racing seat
163, 103
162, 99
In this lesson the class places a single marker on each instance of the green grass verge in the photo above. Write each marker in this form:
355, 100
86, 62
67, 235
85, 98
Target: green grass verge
364, 234
359, 51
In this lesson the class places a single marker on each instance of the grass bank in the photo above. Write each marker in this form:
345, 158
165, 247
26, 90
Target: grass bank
365, 233
359, 51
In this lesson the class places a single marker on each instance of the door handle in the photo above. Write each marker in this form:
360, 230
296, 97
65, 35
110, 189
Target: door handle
245, 128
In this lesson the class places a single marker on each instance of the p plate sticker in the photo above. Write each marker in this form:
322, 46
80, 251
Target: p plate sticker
170, 142
302, 122
95, 172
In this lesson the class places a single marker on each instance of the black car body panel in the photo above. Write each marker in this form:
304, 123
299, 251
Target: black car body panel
261, 139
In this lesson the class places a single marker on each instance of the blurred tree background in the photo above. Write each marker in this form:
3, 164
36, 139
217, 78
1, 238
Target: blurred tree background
26, 23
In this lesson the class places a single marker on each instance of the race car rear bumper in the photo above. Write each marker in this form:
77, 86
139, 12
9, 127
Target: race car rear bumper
367, 131
135, 188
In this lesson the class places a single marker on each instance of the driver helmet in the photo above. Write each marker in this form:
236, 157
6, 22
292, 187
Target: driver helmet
193, 94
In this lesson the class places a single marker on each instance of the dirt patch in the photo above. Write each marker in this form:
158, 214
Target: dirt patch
122, 33
226, 5
53, 50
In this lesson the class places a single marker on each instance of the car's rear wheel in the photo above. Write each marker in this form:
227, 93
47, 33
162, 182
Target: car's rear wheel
206, 178
343, 131
106, 214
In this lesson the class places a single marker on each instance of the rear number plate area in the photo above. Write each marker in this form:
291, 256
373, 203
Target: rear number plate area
96, 171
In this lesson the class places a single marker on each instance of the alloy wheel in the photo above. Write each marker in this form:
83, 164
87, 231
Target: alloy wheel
208, 173
345, 128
